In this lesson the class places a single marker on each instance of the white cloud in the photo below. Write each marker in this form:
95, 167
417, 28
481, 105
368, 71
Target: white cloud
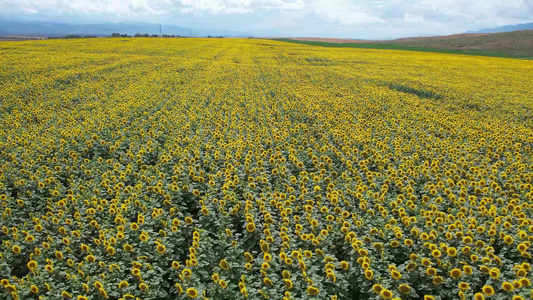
352, 16
410, 18
146, 6
345, 12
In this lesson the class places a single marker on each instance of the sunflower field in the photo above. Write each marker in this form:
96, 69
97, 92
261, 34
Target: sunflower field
253, 169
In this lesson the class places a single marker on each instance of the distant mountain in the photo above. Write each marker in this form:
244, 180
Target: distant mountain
507, 28
51, 29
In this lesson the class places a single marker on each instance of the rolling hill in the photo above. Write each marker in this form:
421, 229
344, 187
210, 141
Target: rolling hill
514, 44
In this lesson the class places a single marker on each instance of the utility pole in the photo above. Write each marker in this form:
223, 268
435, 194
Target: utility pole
160, 30
190, 32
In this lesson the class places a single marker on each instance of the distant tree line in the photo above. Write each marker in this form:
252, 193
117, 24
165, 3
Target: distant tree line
74, 36
116, 34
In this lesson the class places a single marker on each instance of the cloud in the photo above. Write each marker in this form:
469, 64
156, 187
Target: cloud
147, 6
299, 17
345, 12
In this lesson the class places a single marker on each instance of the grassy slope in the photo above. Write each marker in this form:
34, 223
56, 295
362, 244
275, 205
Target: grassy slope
516, 44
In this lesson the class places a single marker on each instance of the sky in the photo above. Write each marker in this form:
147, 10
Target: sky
360, 19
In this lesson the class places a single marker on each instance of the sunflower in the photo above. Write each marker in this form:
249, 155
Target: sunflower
479, 296
526, 266
223, 284
410, 266
49, 268
192, 293
463, 286
517, 285
265, 247
224, 264
186, 273
331, 276
436, 253
522, 247
431, 271
507, 286
488, 290
468, 270
143, 286
267, 257
437, 280
288, 284
377, 288
451, 251
32, 265
128, 248
396, 275
369, 274
344, 265
521, 273
34, 289
248, 256
136, 272
426, 262
455, 273
175, 265
98, 285
134, 226
143, 237
386, 294
161, 249
250, 227
102, 293
266, 281
313, 291
494, 273
404, 289
525, 281
11, 288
